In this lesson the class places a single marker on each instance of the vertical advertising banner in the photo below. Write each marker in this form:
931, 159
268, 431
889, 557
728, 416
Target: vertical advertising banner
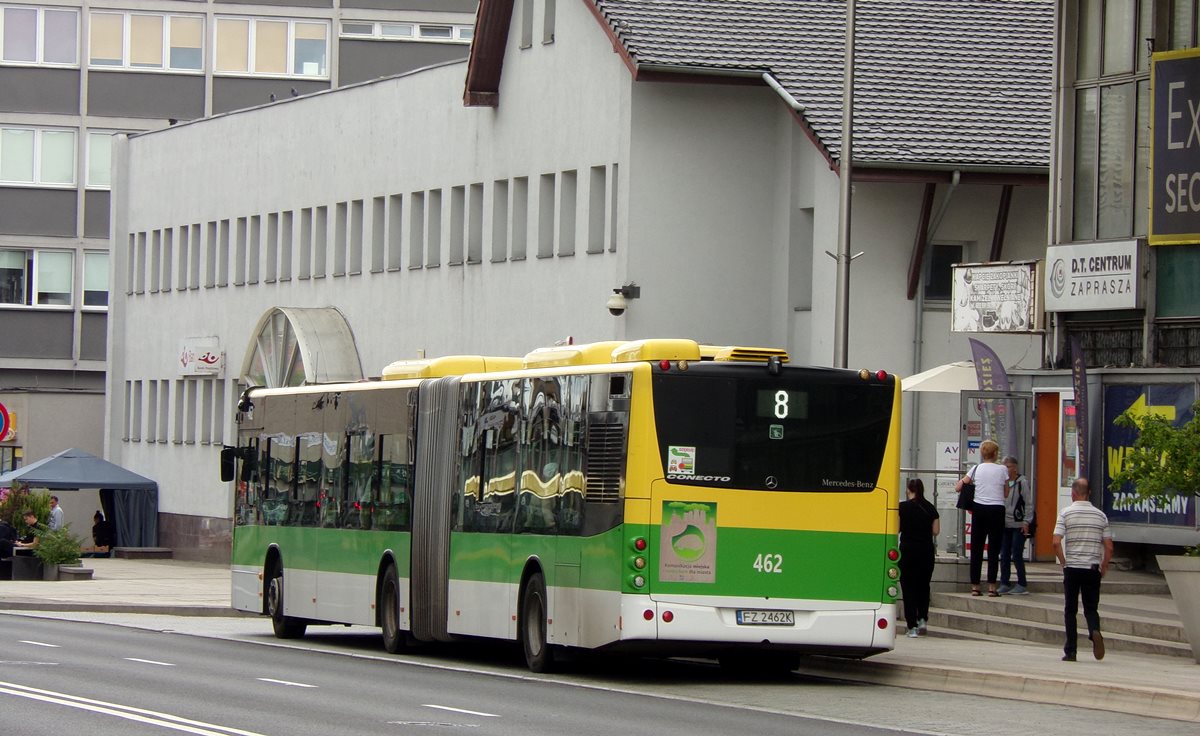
1079, 383
1172, 400
996, 415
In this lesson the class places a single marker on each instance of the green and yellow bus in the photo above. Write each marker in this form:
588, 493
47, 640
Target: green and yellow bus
655, 496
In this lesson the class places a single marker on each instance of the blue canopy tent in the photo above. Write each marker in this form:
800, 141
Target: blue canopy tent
130, 501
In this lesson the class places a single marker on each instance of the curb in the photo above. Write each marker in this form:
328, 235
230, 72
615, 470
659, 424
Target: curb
1171, 704
214, 611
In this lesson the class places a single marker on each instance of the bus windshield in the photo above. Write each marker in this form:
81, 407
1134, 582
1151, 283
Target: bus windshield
804, 430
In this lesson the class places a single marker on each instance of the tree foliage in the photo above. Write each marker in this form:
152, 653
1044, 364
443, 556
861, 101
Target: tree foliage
18, 498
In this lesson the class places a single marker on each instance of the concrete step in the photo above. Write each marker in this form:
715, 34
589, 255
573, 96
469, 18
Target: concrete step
143, 553
966, 624
1148, 622
74, 573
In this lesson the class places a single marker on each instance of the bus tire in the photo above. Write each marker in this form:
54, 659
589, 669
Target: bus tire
389, 610
539, 656
285, 627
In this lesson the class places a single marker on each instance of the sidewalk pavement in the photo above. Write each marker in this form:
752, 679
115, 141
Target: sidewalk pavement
1138, 684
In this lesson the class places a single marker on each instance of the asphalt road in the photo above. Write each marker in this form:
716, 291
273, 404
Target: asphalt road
74, 677
150, 677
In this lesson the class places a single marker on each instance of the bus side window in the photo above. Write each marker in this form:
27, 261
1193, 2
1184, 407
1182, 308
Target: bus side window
280, 463
395, 485
470, 460
304, 510
356, 512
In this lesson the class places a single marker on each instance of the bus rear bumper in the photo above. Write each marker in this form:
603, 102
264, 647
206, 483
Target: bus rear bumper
834, 627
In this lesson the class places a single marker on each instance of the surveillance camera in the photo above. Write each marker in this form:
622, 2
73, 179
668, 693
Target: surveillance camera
616, 304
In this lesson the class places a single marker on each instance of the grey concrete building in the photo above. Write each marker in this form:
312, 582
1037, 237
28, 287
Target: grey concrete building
688, 149
73, 73
1124, 255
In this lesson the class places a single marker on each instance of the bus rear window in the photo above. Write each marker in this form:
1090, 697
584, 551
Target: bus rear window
804, 430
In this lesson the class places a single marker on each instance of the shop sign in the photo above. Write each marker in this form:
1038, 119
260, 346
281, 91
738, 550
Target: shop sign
8, 424
1175, 147
201, 356
997, 297
1172, 400
1092, 276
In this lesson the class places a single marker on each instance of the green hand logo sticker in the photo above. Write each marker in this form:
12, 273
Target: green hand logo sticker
689, 544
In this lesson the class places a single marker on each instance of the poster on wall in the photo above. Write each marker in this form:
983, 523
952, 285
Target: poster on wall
1172, 400
997, 297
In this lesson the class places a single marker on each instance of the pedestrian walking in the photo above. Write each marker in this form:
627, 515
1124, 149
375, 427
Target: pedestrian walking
1083, 545
919, 524
987, 516
1018, 510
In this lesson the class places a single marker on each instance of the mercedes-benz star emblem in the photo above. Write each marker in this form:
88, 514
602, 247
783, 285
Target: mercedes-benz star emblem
772, 481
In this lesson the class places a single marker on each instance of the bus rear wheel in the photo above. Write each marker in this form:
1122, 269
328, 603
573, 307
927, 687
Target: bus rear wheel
285, 627
539, 656
389, 611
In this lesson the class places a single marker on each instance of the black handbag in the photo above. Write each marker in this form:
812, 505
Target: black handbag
966, 497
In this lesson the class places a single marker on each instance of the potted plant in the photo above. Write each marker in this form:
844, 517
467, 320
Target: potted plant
57, 547
1163, 464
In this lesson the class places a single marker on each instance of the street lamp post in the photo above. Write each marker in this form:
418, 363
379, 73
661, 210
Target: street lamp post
841, 319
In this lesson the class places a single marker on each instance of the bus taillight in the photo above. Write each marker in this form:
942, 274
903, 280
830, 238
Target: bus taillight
893, 554
668, 617
664, 364
648, 614
881, 375
882, 623
640, 544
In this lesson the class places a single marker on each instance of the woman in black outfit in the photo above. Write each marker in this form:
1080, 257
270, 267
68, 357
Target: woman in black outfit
919, 524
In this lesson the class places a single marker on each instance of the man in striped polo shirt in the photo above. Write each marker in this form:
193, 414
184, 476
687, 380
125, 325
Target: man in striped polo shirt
1083, 545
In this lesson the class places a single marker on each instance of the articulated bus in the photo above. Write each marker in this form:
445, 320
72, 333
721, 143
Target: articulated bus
656, 496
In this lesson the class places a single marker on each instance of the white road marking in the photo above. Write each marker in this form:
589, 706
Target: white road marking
40, 644
150, 661
140, 715
285, 682
460, 710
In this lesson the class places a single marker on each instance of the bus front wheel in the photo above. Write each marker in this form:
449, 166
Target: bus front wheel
389, 613
539, 656
285, 627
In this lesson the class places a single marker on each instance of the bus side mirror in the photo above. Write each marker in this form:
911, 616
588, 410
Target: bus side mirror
228, 463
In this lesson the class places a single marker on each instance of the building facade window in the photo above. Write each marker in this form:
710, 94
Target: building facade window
147, 41
95, 279
939, 270
39, 156
272, 47
39, 36
99, 158
385, 31
36, 278
1111, 109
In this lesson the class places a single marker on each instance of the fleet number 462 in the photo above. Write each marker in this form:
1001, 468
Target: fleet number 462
769, 563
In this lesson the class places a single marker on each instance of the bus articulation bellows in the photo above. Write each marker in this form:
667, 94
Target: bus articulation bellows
654, 496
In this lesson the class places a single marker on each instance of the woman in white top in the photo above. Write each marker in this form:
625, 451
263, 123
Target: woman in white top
987, 516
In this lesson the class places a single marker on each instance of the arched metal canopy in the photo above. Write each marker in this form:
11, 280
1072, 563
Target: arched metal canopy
292, 346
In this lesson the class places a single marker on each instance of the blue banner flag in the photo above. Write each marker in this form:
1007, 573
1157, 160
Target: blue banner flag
1079, 383
988, 368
